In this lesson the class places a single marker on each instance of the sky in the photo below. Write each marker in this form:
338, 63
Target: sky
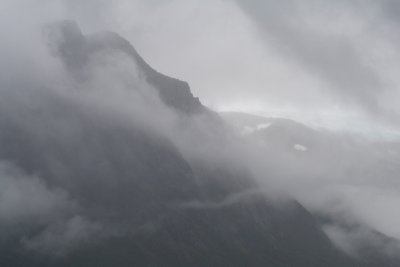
335, 61
268, 56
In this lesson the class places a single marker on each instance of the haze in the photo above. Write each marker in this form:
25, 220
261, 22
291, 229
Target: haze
296, 101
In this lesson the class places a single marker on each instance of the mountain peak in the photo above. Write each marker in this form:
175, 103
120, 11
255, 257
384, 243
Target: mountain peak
67, 41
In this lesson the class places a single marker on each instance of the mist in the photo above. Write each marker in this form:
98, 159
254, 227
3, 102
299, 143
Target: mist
97, 144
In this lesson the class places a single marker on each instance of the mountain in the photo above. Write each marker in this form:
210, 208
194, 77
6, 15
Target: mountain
286, 135
77, 49
343, 160
127, 195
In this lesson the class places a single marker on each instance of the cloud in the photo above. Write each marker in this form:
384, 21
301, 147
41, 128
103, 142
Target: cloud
26, 202
27, 198
348, 179
94, 147
353, 240
62, 237
69, 122
68, 142
332, 56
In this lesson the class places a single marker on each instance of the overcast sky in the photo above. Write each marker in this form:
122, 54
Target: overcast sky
326, 59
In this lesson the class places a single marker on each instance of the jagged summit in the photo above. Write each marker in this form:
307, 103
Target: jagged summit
67, 41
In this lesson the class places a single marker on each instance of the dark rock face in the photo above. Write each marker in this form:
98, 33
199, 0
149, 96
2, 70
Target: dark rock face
250, 233
137, 185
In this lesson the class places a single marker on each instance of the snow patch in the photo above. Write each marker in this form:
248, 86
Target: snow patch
249, 130
299, 147
263, 126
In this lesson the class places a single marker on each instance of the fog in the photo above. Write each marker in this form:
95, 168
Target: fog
327, 65
292, 55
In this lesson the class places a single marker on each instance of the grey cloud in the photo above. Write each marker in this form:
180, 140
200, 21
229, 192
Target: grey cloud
346, 178
102, 137
355, 238
100, 132
28, 198
60, 238
333, 57
27, 202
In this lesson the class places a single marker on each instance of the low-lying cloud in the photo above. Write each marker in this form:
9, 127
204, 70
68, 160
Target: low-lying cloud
73, 118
